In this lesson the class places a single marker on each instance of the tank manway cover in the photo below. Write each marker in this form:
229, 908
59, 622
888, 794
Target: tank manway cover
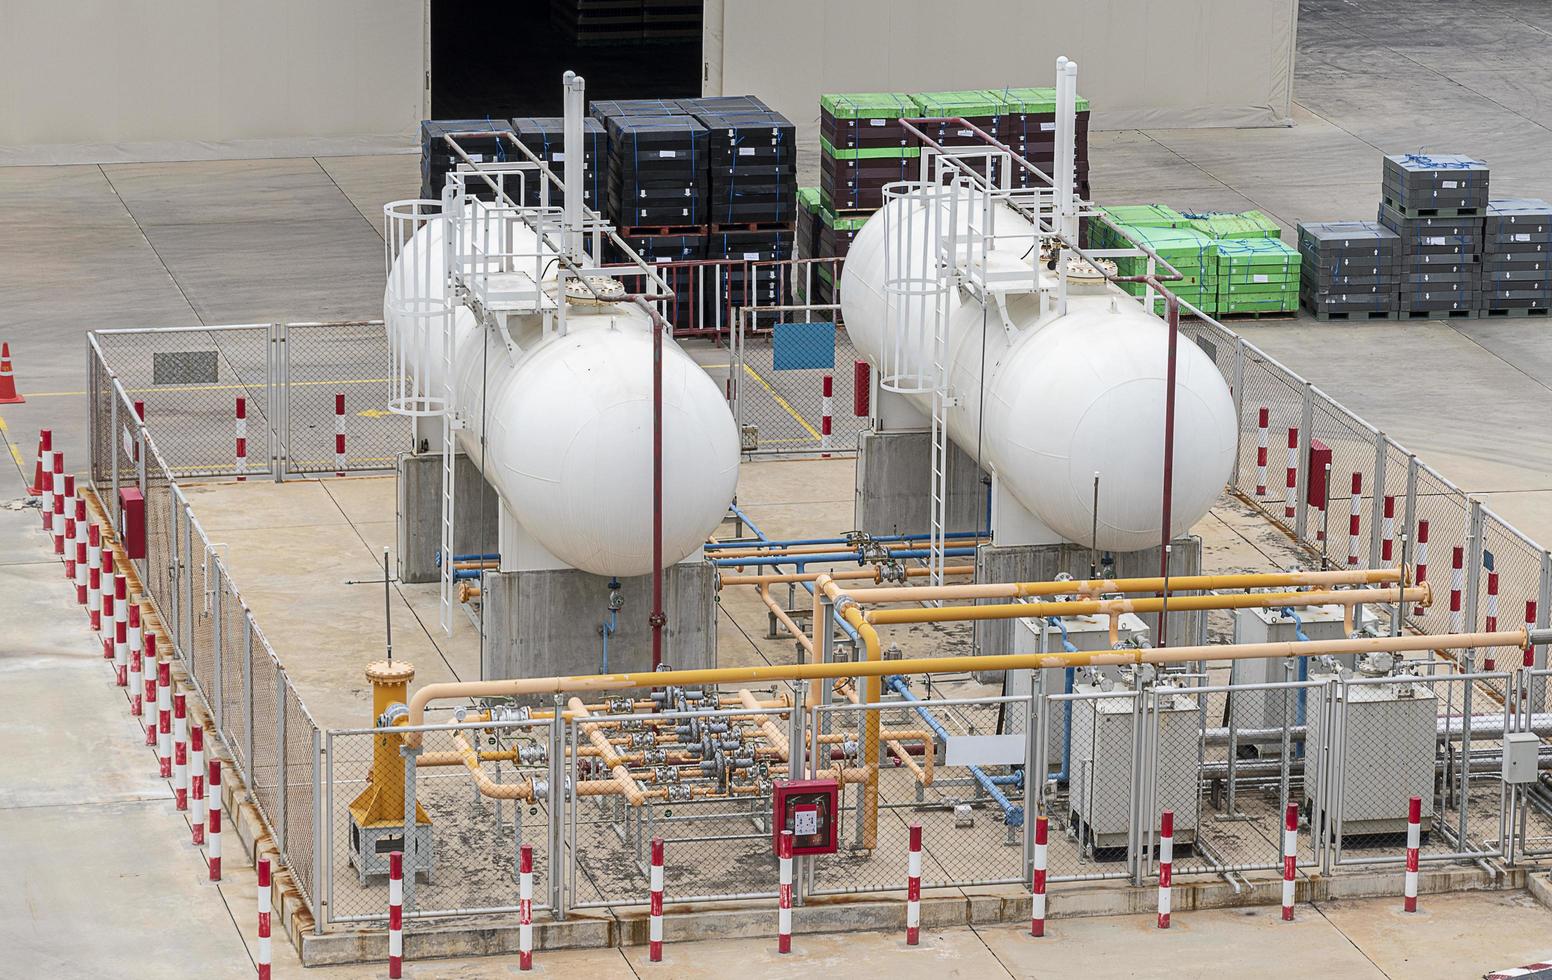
594, 290
1081, 272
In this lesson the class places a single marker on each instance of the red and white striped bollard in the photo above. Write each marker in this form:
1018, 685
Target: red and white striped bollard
824, 414
94, 575
109, 585
75, 543
1388, 530
784, 893
64, 490
339, 434
264, 913
1290, 502
41, 463
136, 682
1037, 887
180, 752
53, 462
120, 649
1422, 560
197, 806
74, 504
396, 914
1353, 521
1261, 446
213, 821
1414, 842
153, 697
1457, 586
240, 428
164, 717
134, 640
655, 908
525, 908
913, 887
1290, 857
1166, 860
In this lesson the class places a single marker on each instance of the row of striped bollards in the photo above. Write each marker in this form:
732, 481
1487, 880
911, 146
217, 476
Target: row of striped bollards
91, 567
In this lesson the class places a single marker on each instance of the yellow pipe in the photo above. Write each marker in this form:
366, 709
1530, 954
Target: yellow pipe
1094, 587
521, 790
852, 613
786, 620
849, 574
1421, 594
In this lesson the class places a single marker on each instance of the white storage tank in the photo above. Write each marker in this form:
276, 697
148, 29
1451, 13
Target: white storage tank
1065, 397
570, 422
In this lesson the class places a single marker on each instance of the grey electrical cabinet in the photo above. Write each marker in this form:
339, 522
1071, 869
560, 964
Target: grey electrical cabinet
1100, 779
1385, 755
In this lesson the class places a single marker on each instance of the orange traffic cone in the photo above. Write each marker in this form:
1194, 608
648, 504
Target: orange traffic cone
45, 446
8, 395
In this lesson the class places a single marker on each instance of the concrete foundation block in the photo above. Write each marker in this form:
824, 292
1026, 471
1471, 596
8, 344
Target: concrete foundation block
893, 479
419, 517
545, 622
1043, 562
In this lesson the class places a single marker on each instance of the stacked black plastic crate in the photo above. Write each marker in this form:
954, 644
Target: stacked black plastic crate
545, 137
1436, 203
437, 157
1517, 258
657, 187
1349, 270
752, 205
599, 21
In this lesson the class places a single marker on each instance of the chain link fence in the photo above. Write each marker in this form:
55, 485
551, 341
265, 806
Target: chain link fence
258, 716
285, 390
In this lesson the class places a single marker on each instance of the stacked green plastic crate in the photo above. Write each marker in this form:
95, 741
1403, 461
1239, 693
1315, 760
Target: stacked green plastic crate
863, 147
1257, 271
1162, 229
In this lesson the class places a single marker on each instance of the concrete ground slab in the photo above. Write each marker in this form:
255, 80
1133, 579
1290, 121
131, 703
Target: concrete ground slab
1448, 936
373, 181
952, 953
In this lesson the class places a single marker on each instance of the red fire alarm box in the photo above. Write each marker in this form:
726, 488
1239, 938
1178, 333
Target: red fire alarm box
1319, 463
810, 809
132, 522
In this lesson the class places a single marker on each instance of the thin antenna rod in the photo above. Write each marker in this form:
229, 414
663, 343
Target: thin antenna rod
1094, 534
388, 604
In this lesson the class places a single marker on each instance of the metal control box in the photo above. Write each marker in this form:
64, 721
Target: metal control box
1520, 757
1386, 753
1101, 759
132, 527
1261, 711
1087, 634
810, 809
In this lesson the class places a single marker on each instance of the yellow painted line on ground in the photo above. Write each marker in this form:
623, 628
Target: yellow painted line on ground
781, 401
147, 391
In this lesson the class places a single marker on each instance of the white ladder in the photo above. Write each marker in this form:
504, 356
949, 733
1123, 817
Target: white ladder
454, 217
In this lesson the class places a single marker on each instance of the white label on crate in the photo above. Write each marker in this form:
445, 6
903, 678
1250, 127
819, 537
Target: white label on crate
1259, 278
967, 132
668, 154
662, 258
1522, 238
1047, 127
1434, 240
687, 192
1448, 183
751, 256
559, 157
877, 122
477, 157
746, 151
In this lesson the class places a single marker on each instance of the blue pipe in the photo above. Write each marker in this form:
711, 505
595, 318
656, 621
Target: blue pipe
794, 542
1069, 677
1012, 813
606, 632
1298, 700
837, 556
459, 573
751, 525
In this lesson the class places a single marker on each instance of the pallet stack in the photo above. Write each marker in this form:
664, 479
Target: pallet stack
1351, 270
862, 147
1028, 125
1517, 258
588, 22
1435, 203
1256, 275
437, 158
545, 136
1192, 254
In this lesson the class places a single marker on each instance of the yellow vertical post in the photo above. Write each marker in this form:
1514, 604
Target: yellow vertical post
381, 804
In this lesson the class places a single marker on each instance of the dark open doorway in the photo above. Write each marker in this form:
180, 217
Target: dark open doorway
505, 58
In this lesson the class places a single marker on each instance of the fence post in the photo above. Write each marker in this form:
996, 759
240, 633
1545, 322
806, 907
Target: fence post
218, 644
1377, 504
113, 441
280, 763
411, 851
1034, 765
1468, 659
318, 891
1302, 475
1237, 390
556, 845
175, 549
247, 684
